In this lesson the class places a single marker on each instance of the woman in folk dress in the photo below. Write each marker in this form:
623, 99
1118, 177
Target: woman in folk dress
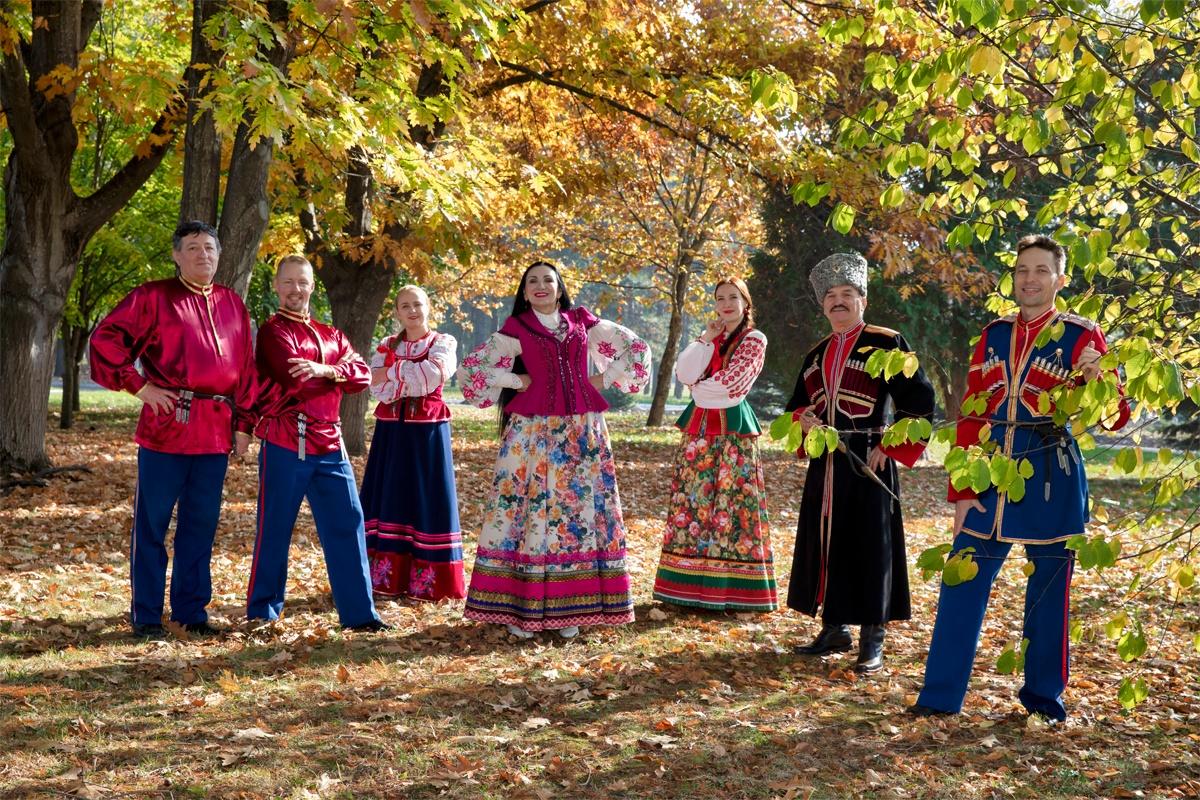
551, 554
717, 548
408, 495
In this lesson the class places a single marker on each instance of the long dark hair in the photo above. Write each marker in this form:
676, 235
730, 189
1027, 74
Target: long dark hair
747, 316
520, 306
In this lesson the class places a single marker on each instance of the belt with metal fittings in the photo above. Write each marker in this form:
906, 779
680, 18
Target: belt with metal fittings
301, 433
1056, 440
183, 405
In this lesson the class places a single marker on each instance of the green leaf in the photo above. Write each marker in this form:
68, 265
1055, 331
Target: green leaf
814, 442
1132, 644
1132, 692
781, 425
1006, 664
981, 476
1016, 489
842, 218
933, 560
831, 439
795, 438
892, 197
960, 568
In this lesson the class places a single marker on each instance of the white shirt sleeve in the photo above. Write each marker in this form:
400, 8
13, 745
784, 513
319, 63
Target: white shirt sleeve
419, 378
728, 386
487, 370
619, 355
692, 362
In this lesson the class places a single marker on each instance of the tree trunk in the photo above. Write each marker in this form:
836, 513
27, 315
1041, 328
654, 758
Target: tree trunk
201, 146
357, 293
247, 210
666, 366
46, 226
36, 264
66, 413
245, 213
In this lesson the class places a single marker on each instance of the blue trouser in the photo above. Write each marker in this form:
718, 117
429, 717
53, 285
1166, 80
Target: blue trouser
194, 482
960, 619
328, 483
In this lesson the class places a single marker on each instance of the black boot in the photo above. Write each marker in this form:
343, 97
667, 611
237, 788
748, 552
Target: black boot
831, 639
870, 648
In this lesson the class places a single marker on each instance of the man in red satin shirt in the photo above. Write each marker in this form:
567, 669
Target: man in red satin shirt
305, 367
193, 341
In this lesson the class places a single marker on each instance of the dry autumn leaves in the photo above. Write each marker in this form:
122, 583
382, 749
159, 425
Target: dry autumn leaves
676, 705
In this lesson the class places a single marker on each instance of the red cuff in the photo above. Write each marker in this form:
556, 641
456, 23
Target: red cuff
966, 493
907, 453
134, 383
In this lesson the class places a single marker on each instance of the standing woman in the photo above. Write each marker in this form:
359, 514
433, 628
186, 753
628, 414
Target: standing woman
717, 547
413, 540
551, 554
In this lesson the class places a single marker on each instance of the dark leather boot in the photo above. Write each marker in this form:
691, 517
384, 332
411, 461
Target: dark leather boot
870, 648
831, 639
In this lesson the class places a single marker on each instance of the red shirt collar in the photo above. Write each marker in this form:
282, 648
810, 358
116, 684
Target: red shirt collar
1037, 321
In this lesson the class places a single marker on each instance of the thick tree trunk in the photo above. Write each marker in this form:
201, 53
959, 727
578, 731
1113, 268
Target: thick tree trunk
201, 146
666, 364
245, 213
357, 293
36, 265
246, 209
46, 226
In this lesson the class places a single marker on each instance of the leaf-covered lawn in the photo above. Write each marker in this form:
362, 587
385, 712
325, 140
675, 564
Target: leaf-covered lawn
676, 705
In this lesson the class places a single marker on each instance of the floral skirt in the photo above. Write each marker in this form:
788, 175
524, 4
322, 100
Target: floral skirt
717, 547
552, 550
414, 545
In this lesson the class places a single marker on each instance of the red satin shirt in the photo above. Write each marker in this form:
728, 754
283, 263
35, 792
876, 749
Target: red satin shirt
186, 337
282, 398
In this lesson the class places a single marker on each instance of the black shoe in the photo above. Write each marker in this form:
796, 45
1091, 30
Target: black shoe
202, 629
371, 626
148, 630
831, 639
870, 649
918, 710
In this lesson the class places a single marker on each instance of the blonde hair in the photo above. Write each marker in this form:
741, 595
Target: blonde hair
292, 258
410, 287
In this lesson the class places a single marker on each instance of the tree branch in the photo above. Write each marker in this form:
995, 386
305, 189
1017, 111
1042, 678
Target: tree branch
97, 208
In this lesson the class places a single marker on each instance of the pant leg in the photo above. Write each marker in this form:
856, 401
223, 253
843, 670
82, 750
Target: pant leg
338, 515
195, 529
1047, 618
161, 477
282, 481
957, 627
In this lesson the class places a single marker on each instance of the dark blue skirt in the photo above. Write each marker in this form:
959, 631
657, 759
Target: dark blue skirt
408, 497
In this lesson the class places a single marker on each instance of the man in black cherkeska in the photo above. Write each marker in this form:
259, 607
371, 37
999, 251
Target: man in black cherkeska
849, 562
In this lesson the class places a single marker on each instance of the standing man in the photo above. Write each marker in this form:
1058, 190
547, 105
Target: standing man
195, 346
849, 561
305, 368
1015, 371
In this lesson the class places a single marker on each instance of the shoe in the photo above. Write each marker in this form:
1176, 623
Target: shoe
370, 626
202, 629
831, 639
517, 632
918, 710
148, 630
569, 633
870, 649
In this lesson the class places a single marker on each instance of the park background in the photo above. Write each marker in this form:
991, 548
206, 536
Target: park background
649, 147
